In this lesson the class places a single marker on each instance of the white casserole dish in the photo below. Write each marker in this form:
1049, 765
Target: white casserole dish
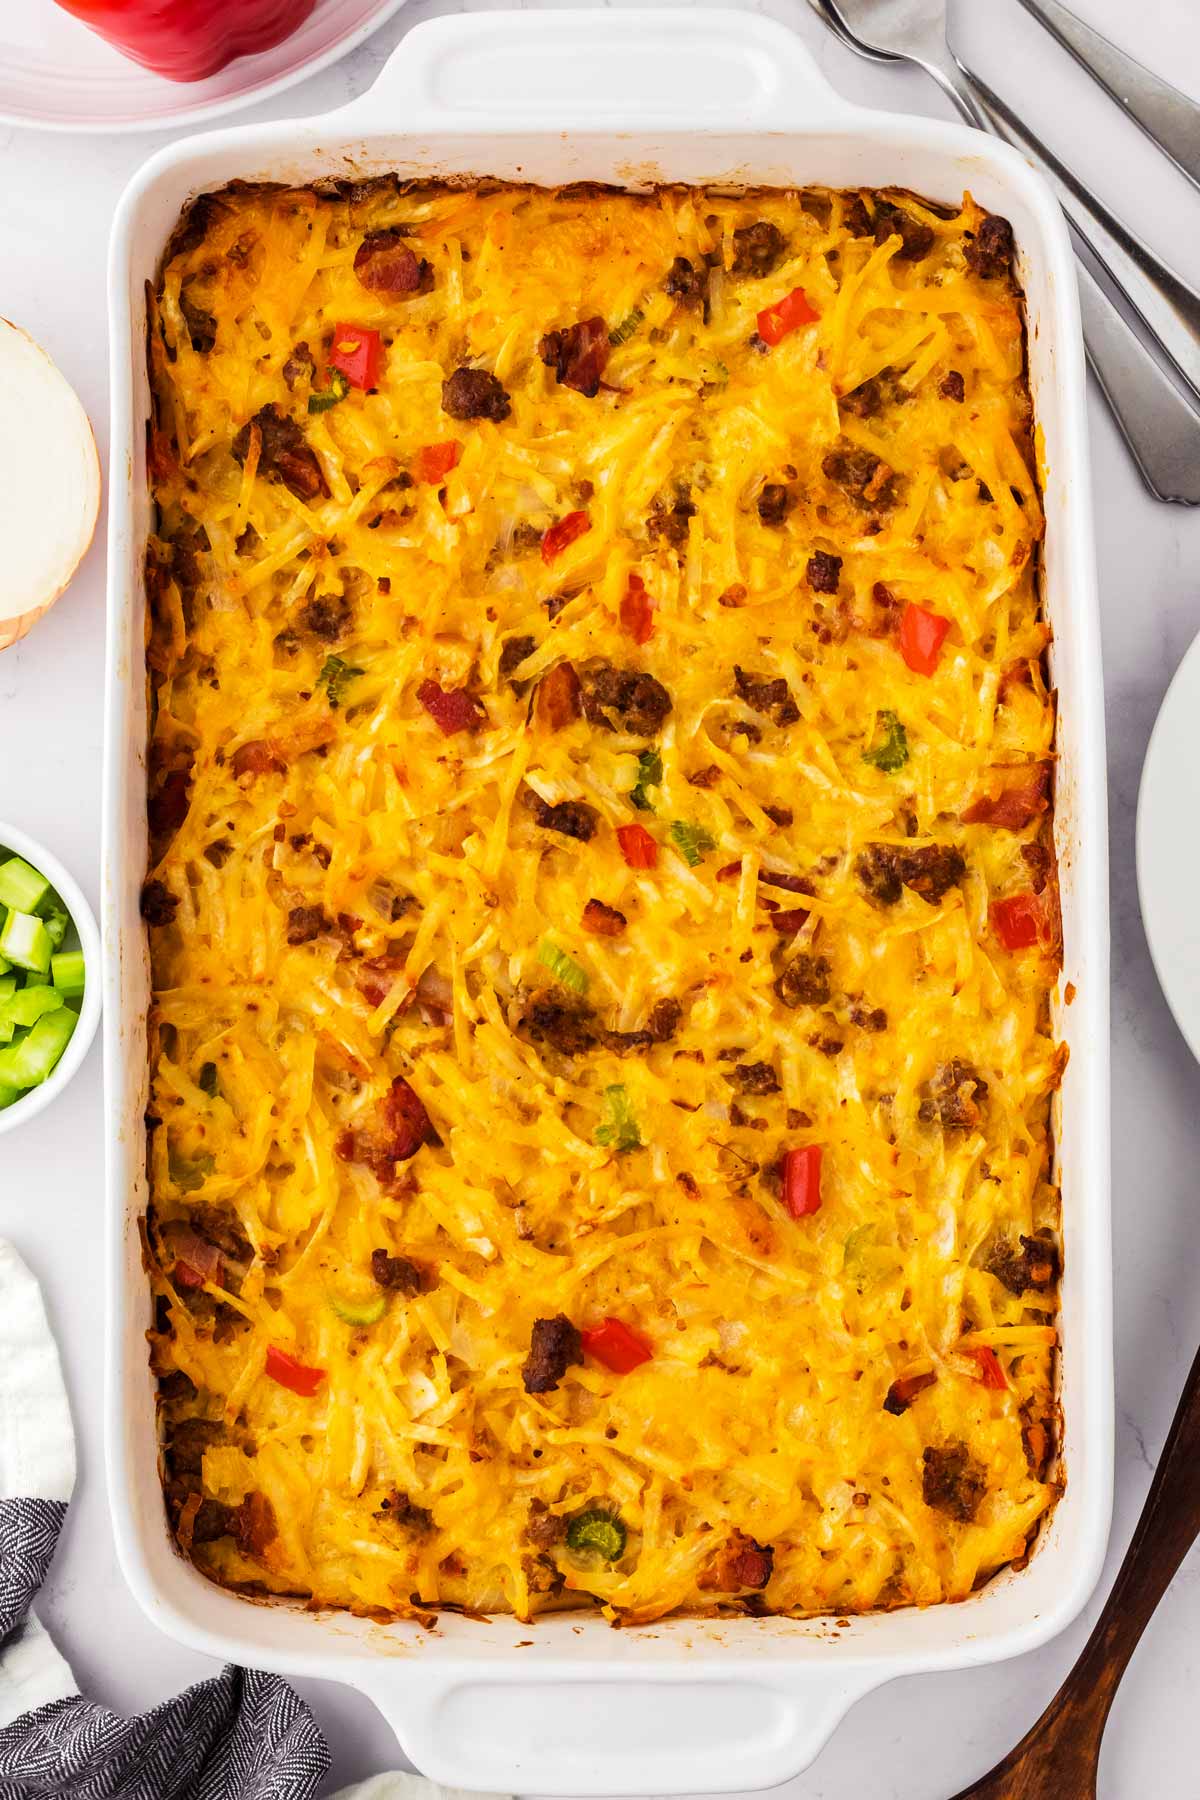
685, 1706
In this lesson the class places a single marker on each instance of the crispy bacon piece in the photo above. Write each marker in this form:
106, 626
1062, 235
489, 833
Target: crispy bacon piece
385, 264
558, 696
605, 921
637, 611
167, 805
404, 1127
257, 758
284, 453
396, 1273
904, 1391
740, 1563
564, 531
578, 355
451, 709
1012, 808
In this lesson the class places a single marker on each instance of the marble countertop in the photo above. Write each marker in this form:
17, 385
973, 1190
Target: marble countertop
918, 1739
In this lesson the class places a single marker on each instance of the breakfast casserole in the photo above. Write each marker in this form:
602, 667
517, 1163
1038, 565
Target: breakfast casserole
602, 903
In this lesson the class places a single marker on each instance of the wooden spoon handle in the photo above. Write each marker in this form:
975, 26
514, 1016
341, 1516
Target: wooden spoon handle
1057, 1757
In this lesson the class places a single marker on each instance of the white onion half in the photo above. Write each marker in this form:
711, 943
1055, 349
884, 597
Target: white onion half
49, 483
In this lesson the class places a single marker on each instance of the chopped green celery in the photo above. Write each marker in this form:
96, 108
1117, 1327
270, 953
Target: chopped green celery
7, 1030
650, 774
335, 678
25, 941
67, 969
598, 1533
28, 1006
8, 987
889, 749
620, 1130
37, 978
8, 1095
365, 1311
4, 966
189, 1172
621, 334
691, 841
564, 968
27, 1062
21, 886
56, 922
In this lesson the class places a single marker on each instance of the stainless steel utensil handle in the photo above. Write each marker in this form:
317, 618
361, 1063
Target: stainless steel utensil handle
1167, 306
1169, 118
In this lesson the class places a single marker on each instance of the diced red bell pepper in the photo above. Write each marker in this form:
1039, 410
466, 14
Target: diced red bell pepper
451, 709
637, 611
802, 1180
1018, 921
788, 314
357, 352
921, 636
616, 1346
991, 1374
564, 531
435, 461
638, 848
292, 1374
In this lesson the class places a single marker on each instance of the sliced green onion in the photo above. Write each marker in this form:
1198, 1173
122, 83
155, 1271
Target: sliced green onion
67, 972
620, 1130
21, 885
367, 1311
597, 1533
564, 968
324, 398
25, 942
335, 678
621, 334
650, 774
691, 841
889, 751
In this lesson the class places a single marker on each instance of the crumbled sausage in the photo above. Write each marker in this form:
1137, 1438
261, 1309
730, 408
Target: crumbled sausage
824, 572
475, 394
886, 869
774, 503
202, 327
953, 1481
671, 522
553, 1346
953, 1096
398, 1509
804, 981
284, 454
772, 697
544, 1528
514, 653
567, 1026
578, 355
892, 221
254, 1525
570, 818
685, 283
306, 923
159, 904
857, 219
754, 1078
298, 368
953, 387
663, 1020
740, 1563
989, 252
864, 401
757, 248
326, 616
1033, 1262
396, 1273
862, 476
625, 699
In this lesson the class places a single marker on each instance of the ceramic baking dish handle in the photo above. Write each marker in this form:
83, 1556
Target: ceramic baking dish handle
615, 1734
599, 70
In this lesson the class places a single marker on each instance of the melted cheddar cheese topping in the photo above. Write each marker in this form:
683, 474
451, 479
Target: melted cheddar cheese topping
602, 900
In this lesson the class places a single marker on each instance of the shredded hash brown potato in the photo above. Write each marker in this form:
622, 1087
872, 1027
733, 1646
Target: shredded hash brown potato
602, 901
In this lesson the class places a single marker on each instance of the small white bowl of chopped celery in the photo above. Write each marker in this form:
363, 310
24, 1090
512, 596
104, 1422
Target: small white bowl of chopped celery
49, 977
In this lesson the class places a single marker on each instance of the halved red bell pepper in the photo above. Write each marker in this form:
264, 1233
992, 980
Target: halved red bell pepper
788, 314
921, 636
637, 611
802, 1180
1018, 921
564, 531
638, 848
991, 1374
616, 1346
357, 352
292, 1374
435, 461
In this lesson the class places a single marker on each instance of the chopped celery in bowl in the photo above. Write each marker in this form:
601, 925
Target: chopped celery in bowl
49, 976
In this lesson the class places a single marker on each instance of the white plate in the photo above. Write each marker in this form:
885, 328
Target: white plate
57, 75
1168, 850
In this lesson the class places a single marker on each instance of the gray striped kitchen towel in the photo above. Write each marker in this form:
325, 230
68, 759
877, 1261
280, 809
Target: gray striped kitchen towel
243, 1735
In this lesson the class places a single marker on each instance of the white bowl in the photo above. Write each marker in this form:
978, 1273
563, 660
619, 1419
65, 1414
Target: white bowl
19, 843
